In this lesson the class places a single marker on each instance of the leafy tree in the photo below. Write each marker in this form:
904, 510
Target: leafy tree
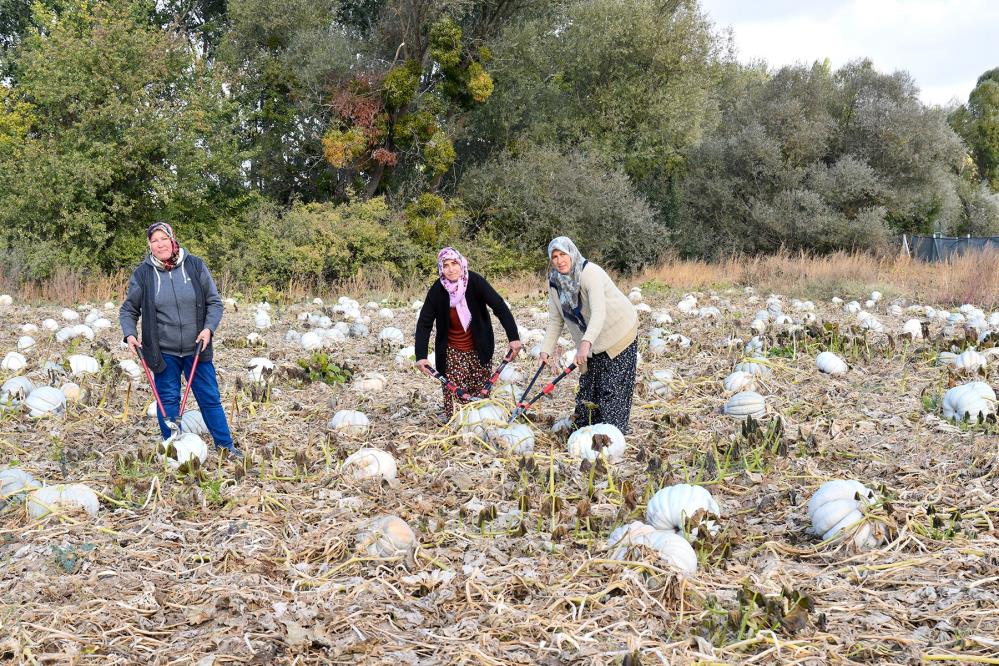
112, 123
978, 124
632, 81
822, 160
524, 200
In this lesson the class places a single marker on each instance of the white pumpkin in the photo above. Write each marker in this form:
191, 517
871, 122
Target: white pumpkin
262, 319
511, 375
687, 304
72, 391
658, 346
678, 340
755, 368
391, 336
81, 364
5, 299
350, 422
709, 312
831, 364
480, 420
746, 403
670, 508
45, 400
259, 369
969, 362
660, 385
386, 536
635, 296
405, 357
370, 463
370, 382
969, 401
914, 328
188, 446
14, 362
672, 549
835, 507
563, 424
293, 336
581, 442
946, 358
311, 341
14, 391
661, 318
518, 438
193, 421
50, 325
130, 368
385, 313
508, 394
15, 484
739, 381
61, 498
70, 315
755, 345
78, 331
622, 538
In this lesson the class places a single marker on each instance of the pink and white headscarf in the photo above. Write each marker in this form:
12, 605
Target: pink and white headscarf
456, 290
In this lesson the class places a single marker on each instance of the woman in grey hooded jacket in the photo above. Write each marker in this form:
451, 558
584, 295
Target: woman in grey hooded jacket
176, 298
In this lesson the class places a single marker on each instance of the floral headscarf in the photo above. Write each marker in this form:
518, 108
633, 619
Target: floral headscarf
456, 289
168, 264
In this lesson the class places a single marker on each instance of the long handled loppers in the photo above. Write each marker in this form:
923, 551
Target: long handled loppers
464, 395
524, 406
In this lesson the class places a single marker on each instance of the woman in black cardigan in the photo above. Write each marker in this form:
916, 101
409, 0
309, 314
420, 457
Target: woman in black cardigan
464, 344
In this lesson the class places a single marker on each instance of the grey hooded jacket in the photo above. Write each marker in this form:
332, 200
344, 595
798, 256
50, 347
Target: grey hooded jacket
184, 302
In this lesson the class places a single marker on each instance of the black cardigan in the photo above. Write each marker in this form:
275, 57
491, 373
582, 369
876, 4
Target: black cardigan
478, 295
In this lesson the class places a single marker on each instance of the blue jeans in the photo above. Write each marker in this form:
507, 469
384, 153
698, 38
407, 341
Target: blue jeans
205, 389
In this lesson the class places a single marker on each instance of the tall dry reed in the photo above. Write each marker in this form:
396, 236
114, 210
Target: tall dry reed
973, 278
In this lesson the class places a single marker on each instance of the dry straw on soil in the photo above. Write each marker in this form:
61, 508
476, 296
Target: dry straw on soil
258, 565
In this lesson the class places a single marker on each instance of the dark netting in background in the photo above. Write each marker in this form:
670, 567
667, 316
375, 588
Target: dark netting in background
942, 248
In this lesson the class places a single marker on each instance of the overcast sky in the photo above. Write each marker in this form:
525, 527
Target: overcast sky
945, 46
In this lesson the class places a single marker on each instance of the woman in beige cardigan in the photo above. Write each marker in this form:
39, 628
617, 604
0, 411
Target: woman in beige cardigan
604, 325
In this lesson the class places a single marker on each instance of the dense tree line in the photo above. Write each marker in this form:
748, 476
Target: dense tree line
316, 138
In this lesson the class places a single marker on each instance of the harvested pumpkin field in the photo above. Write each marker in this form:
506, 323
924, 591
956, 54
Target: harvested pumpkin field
284, 557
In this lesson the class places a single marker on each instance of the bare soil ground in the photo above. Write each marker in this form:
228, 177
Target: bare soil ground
257, 563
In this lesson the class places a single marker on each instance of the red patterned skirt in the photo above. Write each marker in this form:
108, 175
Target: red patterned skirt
465, 371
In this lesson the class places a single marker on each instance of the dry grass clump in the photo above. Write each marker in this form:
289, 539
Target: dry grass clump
972, 278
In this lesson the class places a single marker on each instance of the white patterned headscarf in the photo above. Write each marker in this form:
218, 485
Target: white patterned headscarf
567, 285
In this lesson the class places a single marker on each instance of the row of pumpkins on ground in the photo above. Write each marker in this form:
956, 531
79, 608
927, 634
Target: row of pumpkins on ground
836, 512
836, 508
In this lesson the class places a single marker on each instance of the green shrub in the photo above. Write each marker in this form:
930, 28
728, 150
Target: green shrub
321, 368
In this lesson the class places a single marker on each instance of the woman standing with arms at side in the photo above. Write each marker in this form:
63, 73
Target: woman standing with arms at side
604, 325
464, 343
180, 307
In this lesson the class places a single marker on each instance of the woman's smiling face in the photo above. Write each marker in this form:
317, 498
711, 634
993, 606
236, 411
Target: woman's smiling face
160, 245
